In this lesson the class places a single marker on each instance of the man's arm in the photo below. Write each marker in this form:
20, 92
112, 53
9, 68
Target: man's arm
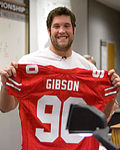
7, 102
112, 106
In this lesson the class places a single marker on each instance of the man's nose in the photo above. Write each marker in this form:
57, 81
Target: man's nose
61, 30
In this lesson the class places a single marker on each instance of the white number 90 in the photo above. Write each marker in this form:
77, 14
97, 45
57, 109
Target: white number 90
54, 119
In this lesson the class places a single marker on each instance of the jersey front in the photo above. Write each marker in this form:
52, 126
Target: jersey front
45, 94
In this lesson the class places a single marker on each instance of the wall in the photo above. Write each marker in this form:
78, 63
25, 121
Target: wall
13, 44
9, 46
80, 8
104, 23
12, 47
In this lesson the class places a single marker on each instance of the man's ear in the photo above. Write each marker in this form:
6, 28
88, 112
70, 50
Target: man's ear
48, 31
74, 29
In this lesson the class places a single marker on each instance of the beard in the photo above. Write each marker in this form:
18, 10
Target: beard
61, 47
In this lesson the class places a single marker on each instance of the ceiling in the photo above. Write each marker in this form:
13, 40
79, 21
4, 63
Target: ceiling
115, 4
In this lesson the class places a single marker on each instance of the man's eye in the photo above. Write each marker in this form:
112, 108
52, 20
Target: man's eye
67, 26
56, 27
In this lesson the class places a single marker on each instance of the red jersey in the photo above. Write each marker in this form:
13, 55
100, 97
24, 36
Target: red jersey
45, 94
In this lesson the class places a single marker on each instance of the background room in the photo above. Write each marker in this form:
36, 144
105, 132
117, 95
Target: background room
24, 30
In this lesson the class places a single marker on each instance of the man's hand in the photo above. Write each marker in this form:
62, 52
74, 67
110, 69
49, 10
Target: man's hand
7, 102
115, 78
8, 72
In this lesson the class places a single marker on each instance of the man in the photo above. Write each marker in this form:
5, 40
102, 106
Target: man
57, 61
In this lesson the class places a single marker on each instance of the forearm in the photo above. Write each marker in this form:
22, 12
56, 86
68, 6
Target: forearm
7, 102
108, 108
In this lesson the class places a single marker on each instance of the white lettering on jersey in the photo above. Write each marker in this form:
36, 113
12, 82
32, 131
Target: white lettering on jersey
58, 84
98, 73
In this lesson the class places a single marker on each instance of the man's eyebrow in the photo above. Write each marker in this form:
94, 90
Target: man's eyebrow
67, 23
56, 24
63, 23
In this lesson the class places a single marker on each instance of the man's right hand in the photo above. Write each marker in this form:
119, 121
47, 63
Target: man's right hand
7, 102
8, 72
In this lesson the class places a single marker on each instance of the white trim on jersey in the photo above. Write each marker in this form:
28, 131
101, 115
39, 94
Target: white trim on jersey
110, 88
11, 85
111, 93
108, 93
13, 81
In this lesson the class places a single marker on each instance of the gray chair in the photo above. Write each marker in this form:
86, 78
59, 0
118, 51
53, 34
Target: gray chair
87, 119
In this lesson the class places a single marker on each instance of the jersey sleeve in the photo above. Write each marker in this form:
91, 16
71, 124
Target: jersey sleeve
106, 87
14, 85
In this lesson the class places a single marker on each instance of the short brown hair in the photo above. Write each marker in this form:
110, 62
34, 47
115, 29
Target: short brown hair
58, 12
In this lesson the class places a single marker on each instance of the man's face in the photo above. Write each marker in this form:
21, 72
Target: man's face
61, 34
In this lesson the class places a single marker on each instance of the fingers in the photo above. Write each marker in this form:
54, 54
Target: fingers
111, 72
8, 72
15, 64
115, 78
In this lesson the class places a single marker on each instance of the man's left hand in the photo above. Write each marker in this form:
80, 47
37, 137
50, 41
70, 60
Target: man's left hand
115, 78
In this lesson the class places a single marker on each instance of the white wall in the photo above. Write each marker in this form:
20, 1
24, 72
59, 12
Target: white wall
12, 41
10, 131
12, 48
